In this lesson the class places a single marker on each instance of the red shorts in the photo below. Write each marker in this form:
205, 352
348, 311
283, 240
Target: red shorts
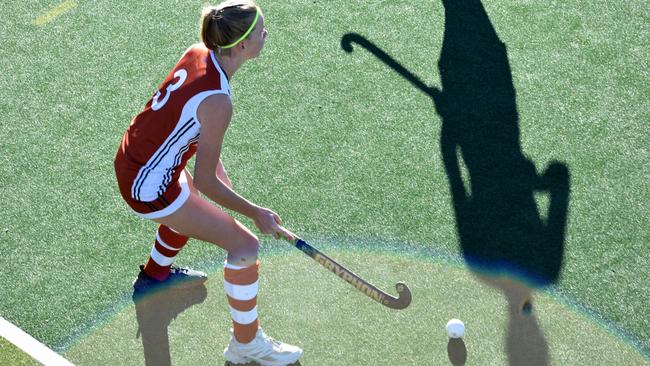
175, 195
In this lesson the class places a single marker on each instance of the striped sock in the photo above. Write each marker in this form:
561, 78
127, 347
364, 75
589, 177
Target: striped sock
168, 244
241, 285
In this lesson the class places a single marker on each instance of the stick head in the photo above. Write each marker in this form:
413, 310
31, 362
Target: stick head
403, 299
346, 41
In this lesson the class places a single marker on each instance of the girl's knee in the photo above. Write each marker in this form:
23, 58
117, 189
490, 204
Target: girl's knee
252, 245
245, 253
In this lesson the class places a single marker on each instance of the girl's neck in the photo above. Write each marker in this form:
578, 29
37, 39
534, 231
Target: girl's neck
229, 64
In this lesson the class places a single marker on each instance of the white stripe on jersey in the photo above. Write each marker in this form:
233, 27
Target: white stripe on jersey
151, 176
155, 175
225, 85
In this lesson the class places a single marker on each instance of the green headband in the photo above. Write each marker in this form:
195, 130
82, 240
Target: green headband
257, 15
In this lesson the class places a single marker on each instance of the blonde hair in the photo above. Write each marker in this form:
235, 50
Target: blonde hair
225, 23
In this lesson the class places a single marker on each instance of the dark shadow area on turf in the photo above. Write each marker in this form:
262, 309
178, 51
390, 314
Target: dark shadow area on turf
155, 312
525, 343
456, 351
502, 232
297, 363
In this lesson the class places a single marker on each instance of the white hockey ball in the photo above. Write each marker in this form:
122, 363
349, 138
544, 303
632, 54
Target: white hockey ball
455, 328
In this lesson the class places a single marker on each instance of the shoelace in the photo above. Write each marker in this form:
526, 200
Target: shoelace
178, 270
268, 341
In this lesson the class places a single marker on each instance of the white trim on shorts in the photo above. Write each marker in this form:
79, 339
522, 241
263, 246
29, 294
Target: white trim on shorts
174, 206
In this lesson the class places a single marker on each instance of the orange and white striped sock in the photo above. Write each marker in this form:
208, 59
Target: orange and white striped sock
167, 245
241, 284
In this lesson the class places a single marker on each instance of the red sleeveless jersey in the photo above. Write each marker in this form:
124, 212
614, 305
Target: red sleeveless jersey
161, 138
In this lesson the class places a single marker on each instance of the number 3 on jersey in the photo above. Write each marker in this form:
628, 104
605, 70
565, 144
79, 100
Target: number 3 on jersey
181, 74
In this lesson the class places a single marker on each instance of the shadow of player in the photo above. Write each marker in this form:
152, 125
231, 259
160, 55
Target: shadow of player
498, 221
525, 343
502, 233
154, 313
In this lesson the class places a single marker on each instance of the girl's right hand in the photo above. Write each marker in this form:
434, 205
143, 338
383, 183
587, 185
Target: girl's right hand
269, 223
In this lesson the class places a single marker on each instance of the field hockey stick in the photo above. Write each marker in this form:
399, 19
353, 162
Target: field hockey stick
404, 294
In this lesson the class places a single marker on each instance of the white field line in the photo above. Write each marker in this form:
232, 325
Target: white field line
31, 346
55, 12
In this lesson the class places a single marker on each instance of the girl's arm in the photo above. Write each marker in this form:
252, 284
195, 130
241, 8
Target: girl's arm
215, 113
223, 174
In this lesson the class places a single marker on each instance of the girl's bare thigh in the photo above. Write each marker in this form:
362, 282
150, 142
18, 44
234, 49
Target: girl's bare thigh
200, 219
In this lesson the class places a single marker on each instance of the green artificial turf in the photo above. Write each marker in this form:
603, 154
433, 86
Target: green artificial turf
337, 143
337, 325
11, 355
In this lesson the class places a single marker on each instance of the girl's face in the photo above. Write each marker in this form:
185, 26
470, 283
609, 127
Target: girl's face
257, 38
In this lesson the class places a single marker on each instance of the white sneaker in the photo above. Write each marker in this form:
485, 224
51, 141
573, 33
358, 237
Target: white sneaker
263, 349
